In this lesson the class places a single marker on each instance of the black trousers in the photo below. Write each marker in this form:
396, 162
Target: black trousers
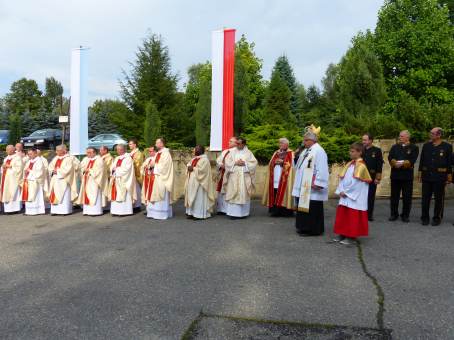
371, 199
312, 222
279, 211
406, 188
437, 189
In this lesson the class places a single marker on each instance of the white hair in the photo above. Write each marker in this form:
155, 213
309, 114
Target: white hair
61, 147
284, 140
406, 132
310, 135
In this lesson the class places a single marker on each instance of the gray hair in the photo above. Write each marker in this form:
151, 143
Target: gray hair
121, 146
284, 140
406, 132
310, 135
61, 147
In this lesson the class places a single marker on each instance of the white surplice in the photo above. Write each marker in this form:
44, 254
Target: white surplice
65, 207
321, 173
95, 209
355, 189
160, 210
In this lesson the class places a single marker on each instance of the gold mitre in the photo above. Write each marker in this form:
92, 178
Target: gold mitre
313, 129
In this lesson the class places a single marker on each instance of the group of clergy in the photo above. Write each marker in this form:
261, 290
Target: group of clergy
101, 183
296, 181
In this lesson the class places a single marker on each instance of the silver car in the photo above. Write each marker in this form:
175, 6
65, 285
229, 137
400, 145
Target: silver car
111, 140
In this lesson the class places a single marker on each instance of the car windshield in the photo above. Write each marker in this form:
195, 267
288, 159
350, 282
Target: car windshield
39, 133
3, 133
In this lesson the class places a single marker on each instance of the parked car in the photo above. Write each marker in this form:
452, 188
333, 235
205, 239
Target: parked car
4, 135
111, 140
43, 139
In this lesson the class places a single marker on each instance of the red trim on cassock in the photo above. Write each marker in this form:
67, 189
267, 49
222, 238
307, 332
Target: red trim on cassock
272, 200
7, 162
221, 180
25, 185
52, 194
89, 166
351, 222
151, 179
113, 193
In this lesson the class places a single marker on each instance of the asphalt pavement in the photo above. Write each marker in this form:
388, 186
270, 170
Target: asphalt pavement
106, 277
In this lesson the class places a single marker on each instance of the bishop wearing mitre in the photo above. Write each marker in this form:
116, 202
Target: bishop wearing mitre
63, 182
277, 195
11, 179
310, 188
159, 205
35, 184
122, 186
221, 206
93, 185
199, 195
240, 165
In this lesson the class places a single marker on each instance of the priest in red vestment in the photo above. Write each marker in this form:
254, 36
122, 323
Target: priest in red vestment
277, 195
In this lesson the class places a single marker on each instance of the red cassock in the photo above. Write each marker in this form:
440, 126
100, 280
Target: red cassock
351, 222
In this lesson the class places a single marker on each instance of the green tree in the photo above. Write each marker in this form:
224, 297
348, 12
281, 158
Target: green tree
414, 41
151, 78
53, 95
152, 126
249, 87
100, 116
277, 101
203, 107
286, 72
15, 128
24, 96
360, 80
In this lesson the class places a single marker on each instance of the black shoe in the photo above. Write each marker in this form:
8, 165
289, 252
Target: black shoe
393, 218
371, 219
436, 222
425, 222
405, 219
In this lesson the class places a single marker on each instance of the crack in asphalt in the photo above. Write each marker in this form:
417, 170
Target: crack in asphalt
380, 293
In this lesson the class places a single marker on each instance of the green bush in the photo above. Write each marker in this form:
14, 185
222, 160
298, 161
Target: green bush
337, 144
263, 140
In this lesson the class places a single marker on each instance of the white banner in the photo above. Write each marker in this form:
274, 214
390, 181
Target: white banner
217, 88
79, 101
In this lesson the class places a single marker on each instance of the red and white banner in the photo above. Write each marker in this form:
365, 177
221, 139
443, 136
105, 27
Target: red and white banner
223, 63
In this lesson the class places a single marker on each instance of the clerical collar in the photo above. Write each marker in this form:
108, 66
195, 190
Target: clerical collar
122, 156
61, 157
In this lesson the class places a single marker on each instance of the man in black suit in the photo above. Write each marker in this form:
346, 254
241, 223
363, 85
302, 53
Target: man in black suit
373, 157
435, 171
402, 158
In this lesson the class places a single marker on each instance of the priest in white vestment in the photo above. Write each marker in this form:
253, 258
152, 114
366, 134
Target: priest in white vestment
221, 206
146, 171
63, 182
199, 195
108, 160
11, 173
122, 186
35, 184
310, 188
240, 165
93, 185
137, 159
162, 193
